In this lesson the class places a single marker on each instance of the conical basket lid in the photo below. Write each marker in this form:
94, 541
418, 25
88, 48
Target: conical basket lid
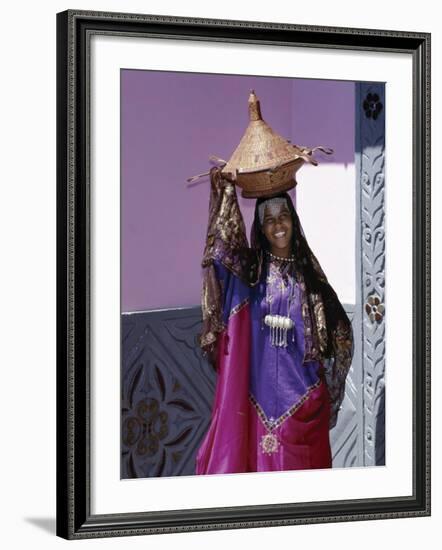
260, 147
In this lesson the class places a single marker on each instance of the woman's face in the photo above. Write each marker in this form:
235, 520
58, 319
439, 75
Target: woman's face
277, 226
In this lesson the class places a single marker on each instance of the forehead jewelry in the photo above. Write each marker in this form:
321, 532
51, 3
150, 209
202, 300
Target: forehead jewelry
274, 206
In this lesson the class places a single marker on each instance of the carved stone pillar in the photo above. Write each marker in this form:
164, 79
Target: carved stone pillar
370, 170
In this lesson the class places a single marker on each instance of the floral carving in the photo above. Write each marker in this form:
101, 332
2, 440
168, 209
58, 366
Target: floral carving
156, 424
372, 106
374, 309
146, 427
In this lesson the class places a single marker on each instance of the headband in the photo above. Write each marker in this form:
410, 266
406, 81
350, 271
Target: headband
274, 204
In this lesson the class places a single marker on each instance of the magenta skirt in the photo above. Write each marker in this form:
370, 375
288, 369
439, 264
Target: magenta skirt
237, 439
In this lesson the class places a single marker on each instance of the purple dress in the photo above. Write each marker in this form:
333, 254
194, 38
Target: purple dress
271, 408
279, 378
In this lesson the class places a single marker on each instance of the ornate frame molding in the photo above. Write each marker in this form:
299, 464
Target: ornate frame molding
74, 519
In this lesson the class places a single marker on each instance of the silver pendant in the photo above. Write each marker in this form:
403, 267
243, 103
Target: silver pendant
279, 326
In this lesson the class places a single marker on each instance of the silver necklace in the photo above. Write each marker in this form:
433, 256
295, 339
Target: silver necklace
291, 258
280, 324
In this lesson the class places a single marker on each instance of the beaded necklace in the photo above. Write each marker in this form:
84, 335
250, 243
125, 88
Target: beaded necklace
280, 258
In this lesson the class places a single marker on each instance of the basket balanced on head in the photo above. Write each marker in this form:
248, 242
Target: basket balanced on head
264, 163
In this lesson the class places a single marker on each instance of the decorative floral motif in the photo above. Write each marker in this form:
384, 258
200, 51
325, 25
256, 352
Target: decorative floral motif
374, 309
156, 424
144, 430
269, 444
372, 106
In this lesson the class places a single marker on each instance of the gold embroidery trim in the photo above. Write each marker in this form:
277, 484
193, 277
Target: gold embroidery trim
238, 307
270, 426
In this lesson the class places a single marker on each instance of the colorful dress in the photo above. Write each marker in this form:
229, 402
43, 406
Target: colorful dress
274, 401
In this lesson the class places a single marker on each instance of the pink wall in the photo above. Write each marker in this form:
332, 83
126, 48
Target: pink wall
171, 123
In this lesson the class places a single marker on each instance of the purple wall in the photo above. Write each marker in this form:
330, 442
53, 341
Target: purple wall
324, 114
170, 124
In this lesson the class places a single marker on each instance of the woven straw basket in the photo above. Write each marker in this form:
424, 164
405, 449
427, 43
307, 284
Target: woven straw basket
264, 163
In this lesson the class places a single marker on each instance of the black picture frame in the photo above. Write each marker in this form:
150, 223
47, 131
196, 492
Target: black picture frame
74, 518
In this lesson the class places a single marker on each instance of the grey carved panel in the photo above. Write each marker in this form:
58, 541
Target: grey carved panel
167, 391
345, 437
370, 165
359, 436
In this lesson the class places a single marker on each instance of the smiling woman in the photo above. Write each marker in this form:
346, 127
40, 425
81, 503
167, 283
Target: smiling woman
273, 327
278, 337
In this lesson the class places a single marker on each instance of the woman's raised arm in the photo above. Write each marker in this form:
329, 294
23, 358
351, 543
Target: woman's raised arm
226, 240
228, 261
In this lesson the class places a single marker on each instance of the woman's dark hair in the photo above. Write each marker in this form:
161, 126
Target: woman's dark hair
305, 262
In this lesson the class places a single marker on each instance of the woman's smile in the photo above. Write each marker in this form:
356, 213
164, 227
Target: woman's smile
280, 235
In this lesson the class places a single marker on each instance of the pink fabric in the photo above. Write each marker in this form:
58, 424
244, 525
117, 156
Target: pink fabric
224, 448
233, 443
303, 438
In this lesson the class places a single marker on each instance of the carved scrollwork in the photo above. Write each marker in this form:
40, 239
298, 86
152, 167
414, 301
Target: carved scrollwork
372, 170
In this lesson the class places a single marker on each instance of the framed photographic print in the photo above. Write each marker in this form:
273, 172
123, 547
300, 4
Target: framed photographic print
243, 274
